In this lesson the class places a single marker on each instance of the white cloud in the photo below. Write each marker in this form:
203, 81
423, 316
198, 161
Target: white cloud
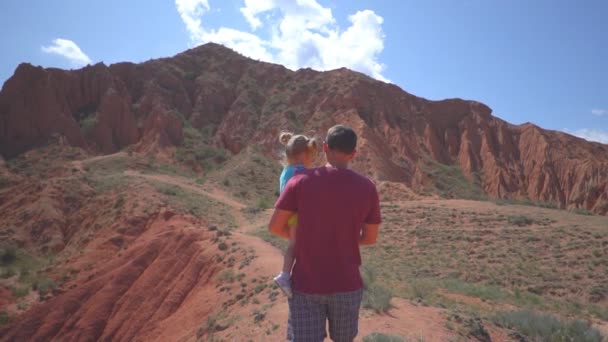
600, 112
591, 134
303, 33
244, 42
69, 50
191, 12
253, 8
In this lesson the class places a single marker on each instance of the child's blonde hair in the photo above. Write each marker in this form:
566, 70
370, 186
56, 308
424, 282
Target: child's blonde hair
298, 143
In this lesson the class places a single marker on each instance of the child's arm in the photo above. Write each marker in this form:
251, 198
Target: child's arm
278, 223
369, 234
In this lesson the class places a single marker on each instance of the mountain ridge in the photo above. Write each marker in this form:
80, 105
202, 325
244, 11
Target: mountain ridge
240, 102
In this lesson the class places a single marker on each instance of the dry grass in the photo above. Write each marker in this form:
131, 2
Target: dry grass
250, 177
525, 256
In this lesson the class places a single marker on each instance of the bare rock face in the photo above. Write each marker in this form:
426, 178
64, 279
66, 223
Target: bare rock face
241, 102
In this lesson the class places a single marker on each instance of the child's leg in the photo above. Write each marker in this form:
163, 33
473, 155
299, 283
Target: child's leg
283, 280
290, 253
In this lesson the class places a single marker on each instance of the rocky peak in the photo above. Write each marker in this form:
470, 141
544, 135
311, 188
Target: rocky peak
240, 102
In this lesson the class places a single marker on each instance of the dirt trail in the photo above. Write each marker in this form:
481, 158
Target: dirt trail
269, 258
404, 319
186, 183
79, 163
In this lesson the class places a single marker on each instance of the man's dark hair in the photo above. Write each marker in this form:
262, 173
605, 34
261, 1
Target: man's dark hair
341, 138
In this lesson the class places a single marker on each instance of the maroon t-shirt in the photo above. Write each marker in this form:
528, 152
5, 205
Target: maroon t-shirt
332, 205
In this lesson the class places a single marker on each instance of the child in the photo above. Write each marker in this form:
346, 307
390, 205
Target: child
299, 154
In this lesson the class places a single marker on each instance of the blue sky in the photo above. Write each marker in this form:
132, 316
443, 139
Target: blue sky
541, 61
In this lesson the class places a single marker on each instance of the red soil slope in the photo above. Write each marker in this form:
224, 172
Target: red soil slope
135, 296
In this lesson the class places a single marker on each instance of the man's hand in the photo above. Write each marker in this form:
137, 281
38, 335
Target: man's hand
369, 234
278, 223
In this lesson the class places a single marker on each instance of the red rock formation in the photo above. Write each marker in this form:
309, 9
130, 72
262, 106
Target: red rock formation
244, 102
134, 296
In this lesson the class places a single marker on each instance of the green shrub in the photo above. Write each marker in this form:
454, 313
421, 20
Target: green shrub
421, 289
264, 203
226, 276
190, 76
211, 325
222, 246
119, 202
547, 205
379, 337
8, 255
528, 202
21, 291
520, 220
7, 273
581, 211
43, 286
544, 327
4, 318
375, 296
450, 182
169, 190
599, 311
89, 122
598, 293
482, 291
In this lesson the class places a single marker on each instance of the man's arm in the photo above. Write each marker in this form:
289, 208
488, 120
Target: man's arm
286, 206
278, 223
369, 234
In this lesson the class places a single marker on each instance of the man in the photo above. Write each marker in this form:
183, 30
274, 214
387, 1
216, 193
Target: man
338, 210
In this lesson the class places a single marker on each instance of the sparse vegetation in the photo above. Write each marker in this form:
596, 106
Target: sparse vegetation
4, 318
520, 220
527, 202
482, 291
251, 177
8, 255
120, 202
422, 289
215, 323
197, 150
380, 337
195, 203
222, 246
88, 122
428, 250
544, 327
274, 240
258, 315
226, 276
450, 182
581, 211
169, 190
21, 291
27, 270
44, 285
87, 116
375, 296
264, 203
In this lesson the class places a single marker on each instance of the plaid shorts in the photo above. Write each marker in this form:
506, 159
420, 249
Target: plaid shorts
308, 315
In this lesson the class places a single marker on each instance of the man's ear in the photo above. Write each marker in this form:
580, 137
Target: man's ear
351, 156
325, 148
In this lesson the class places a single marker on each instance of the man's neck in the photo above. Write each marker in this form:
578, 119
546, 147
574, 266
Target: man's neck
337, 164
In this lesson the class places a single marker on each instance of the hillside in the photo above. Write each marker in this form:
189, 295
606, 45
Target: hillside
134, 202
216, 96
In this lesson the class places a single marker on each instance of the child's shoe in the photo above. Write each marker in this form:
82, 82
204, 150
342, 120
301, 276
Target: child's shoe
284, 283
